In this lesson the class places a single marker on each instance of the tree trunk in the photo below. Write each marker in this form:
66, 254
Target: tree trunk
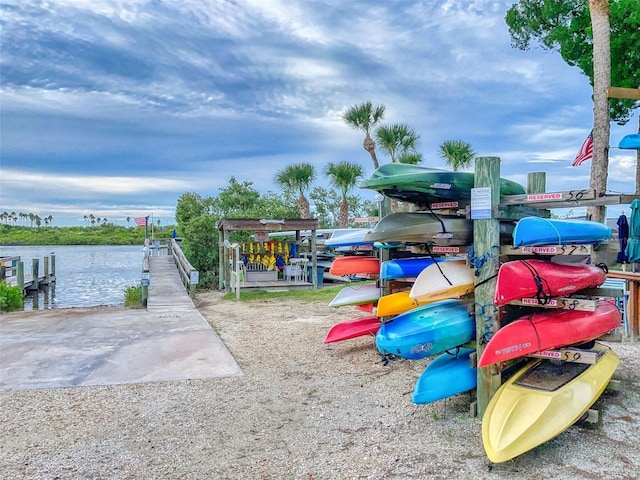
343, 219
599, 10
370, 146
303, 207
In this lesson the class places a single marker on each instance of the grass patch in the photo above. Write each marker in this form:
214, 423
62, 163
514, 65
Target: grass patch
132, 296
10, 297
321, 294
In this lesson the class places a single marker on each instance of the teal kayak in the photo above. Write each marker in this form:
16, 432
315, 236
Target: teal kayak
427, 330
447, 375
421, 185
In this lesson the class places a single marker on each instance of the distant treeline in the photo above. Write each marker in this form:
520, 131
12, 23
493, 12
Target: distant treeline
101, 235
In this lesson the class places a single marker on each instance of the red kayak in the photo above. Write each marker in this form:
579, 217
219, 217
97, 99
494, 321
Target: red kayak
549, 329
353, 328
539, 278
355, 265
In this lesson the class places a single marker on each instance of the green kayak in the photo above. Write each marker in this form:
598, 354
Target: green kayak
420, 185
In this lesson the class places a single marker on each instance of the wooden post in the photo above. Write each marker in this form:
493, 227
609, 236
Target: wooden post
221, 259
20, 275
314, 260
486, 242
3, 272
46, 269
35, 272
53, 266
536, 182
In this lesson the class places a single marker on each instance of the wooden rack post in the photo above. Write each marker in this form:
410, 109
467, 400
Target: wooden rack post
486, 243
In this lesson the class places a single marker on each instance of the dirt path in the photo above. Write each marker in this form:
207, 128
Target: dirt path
301, 410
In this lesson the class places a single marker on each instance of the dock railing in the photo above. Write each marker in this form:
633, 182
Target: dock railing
188, 274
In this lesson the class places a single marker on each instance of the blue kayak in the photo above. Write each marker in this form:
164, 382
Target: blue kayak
427, 330
447, 375
404, 267
533, 231
630, 142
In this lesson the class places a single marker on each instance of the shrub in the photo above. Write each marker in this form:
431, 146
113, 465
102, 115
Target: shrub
132, 296
10, 297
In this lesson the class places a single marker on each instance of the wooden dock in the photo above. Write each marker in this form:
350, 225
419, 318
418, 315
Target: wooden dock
12, 270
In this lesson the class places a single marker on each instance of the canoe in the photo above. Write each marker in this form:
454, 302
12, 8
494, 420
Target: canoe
353, 328
540, 278
412, 227
405, 267
349, 237
549, 329
540, 402
448, 374
532, 231
354, 265
395, 304
421, 185
443, 280
358, 294
427, 330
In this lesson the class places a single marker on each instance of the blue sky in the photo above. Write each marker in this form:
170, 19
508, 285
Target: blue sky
116, 108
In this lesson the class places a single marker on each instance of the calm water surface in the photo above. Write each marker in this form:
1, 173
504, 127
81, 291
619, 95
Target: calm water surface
86, 276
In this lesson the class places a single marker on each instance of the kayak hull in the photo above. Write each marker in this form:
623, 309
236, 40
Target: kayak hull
443, 280
355, 265
350, 237
541, 401
426, 330
412, 227
421, 185
395, 304
518, 279
404, 267
533, 231
447, 375
357, 327
549, 329
356, 295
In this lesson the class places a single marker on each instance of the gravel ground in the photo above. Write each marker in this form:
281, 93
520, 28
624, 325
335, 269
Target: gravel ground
302, 410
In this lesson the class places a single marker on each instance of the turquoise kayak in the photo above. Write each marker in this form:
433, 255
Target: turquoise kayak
349, 237
421, 185
427, 330
533, 231
447, 375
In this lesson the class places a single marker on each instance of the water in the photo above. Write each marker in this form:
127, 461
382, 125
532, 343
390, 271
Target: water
86, 276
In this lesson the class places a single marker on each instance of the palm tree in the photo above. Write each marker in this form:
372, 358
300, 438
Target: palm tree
85, 220
364, 117
343, 176
457, 154
397, 140
410, 158
599, 11
128, 220
298, 177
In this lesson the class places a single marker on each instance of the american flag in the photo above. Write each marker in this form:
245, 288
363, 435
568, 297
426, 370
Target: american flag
586, 151
141, 221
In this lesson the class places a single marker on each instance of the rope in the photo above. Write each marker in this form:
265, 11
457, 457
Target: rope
437, 264
486, 313
542, 296
478, 262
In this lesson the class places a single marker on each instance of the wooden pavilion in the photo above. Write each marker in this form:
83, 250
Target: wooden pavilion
232, 271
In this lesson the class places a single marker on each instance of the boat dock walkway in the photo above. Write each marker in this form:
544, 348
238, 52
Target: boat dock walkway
169, 341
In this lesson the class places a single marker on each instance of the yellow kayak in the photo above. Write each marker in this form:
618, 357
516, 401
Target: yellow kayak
541, 401
395, 304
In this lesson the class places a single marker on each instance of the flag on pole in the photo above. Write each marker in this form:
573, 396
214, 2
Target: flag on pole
586, 151
141, 221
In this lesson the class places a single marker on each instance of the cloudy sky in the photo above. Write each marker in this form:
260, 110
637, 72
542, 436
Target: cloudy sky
115, 108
